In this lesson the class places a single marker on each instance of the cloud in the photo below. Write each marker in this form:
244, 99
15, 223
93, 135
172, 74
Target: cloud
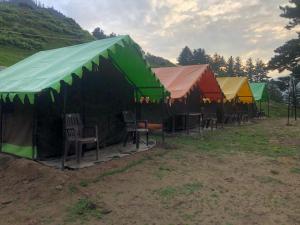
247, 28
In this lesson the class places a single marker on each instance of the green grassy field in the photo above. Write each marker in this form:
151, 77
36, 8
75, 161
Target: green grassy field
277, 109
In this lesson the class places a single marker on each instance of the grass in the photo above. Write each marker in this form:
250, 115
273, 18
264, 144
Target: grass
83, 210
121, 169
10, 55
167, 192
295, 170
277, 109
259, 138
170, 192
84, 183
162, 172
37, 29
73, 189
268, 179
127, 167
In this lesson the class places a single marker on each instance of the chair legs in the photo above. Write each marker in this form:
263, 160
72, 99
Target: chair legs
65, 154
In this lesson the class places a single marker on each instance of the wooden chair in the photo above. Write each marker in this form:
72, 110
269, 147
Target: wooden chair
209, 118
133, 129
75, 133
230, 115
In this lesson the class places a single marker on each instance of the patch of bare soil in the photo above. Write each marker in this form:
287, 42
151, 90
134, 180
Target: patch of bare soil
162, 187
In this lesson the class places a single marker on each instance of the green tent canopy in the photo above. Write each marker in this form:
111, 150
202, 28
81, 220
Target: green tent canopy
46, 69
260, 91
96, 79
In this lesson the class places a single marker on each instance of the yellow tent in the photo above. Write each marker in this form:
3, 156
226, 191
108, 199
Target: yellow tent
236, 88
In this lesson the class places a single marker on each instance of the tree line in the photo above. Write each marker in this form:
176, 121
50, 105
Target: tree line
287, 56
256, 70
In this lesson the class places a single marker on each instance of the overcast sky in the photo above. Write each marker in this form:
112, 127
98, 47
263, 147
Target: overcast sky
247, 28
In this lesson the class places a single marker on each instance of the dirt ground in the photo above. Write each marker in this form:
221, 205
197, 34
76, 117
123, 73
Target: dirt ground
183, 182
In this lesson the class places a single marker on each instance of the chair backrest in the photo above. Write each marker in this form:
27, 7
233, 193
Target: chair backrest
73, 125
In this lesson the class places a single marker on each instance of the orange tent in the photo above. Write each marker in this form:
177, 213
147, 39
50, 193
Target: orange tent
179, 81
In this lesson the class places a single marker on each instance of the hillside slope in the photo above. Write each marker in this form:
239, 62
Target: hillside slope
157, 61
25, 30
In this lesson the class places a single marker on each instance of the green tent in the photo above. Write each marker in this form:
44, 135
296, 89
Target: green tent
47, 69
260, 91
112, 72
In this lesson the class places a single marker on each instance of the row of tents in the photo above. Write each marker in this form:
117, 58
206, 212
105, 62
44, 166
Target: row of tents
100, 80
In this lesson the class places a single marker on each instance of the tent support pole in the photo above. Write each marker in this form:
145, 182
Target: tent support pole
268, 107
162, 115
34, 127
295, 99
260, 106
187, 116
222, 111
288, 122
64, 102
137, 106
82, 99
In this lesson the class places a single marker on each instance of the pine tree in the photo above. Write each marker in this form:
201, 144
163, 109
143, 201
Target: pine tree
230, 67
30, 3
287, 57
215, 65
260, 71
292, 12
238, 67
199, 56
99, 34
218, 65
223, 64
250, 69
185, 57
